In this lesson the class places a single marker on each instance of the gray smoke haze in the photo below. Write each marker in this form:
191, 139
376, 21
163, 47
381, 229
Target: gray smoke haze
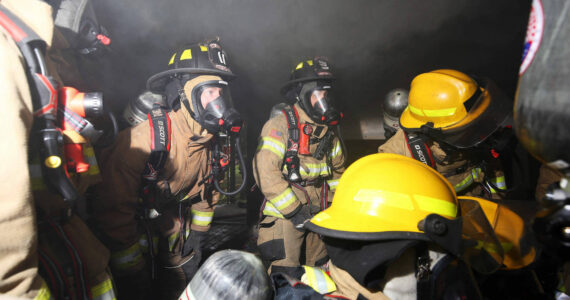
375, 46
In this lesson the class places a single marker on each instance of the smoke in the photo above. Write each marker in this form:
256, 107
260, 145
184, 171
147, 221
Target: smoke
374, 46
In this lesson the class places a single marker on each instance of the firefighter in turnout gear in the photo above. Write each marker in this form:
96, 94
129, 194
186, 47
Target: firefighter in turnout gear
156, 207
297, 165
42, 236
458, 126
397, 230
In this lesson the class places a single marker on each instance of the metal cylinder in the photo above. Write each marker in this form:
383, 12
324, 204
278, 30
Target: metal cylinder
394, 104
137, 109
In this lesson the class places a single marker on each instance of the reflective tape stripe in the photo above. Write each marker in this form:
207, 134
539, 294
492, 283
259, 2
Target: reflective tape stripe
44, 293
336, 150
143, 242
286, 198
128, 258
202, 218
445, 112
273, 145
374, 198
315, 170
203, 48
103, 291
333, 183
300, 65
499, 182
270, 210
318, 280
172, 240
467, 181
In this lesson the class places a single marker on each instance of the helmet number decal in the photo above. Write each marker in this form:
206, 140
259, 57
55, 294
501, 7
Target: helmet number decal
222, 57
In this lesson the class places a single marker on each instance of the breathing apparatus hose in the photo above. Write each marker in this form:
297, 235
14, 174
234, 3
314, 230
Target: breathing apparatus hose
242, 167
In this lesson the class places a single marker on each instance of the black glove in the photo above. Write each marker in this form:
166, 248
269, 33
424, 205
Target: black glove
300, 217
192, 253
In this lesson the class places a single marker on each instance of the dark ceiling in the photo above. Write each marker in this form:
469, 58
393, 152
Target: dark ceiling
374, 46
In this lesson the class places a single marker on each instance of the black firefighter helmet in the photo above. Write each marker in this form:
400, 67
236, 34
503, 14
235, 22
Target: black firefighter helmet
205, 58
313, 77
187, 63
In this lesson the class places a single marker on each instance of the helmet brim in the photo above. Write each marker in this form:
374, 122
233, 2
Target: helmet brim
473, 129
290, 83
330, 230
157, 82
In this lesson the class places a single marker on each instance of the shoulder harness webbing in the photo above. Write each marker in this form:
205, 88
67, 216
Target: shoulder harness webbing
419, 149
291, 159
160, 132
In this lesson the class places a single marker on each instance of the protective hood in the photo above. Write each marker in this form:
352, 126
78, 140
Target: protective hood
213, 113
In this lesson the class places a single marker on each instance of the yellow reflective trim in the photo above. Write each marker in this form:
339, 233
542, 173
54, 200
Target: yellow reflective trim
333, 183
283, 200
444, 112
172, 240
103, 291
372, 199
337, 150
203, 48
172, 59
125, 259
310, 62
318, 280
416, 111
270, 210
467, 181
300, 65
202, 213
202, 218
273, 145
44, 293
187, 54
440, 112
436, 206
315, 170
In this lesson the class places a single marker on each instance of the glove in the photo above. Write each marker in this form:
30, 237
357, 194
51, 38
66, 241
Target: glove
193, 245
301, 217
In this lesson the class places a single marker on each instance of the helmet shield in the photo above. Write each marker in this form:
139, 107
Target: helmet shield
469, 236
481, 247
488, 111
212, 107
316, 99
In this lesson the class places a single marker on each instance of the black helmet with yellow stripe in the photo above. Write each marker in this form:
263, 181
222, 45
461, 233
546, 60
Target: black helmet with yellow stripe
205, 58
310, 85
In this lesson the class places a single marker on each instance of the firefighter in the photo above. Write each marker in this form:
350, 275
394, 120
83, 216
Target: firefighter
397, 230
297, 165
156, 206
42, 236
459, 126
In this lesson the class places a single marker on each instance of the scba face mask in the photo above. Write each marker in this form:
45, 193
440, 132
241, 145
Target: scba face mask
212, 109
317, 101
